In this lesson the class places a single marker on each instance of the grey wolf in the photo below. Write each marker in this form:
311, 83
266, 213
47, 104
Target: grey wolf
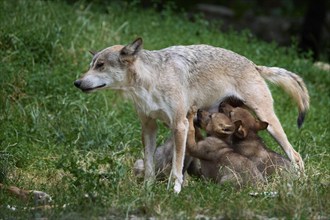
164, 84
246, 141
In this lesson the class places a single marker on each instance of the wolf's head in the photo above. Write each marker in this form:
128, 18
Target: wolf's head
110, 68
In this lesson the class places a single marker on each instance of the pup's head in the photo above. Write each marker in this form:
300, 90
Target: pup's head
244, 121
110, 68
215, 124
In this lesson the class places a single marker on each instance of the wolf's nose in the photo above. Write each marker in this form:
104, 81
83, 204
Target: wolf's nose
77, 83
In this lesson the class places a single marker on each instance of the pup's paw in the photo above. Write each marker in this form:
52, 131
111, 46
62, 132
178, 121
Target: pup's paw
193, 110
138, 168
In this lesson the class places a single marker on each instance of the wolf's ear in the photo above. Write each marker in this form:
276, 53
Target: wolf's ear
92, 52
129, 51
240, 131
262, 125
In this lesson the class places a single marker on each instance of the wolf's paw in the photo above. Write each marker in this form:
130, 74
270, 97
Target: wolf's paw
299, 163
177, 187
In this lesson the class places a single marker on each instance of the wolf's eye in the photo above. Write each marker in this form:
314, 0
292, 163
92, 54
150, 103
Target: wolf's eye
99, 65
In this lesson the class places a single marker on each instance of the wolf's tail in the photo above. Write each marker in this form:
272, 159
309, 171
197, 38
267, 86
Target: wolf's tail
292, 84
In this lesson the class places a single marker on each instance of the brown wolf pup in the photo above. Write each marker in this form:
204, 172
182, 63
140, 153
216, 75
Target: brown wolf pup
218, 160
246, 141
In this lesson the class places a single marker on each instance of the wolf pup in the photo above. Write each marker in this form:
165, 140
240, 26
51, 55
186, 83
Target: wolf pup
217, 158
163, 162
246, 141
163, 84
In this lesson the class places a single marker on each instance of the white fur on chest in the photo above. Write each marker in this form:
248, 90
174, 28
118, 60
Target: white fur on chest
151, 104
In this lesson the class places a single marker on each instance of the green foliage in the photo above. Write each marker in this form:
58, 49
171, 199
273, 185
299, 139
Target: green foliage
81, 148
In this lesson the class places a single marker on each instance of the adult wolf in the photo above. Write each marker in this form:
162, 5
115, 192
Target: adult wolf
163, 84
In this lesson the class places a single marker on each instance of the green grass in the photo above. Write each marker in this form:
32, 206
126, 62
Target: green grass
81, 148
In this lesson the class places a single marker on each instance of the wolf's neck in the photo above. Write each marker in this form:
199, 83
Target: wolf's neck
145, 71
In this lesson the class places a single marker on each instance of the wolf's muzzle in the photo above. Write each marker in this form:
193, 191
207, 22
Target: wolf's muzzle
85, 87
77, 83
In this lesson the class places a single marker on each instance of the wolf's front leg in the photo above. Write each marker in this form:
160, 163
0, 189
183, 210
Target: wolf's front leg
180, 137
149, 132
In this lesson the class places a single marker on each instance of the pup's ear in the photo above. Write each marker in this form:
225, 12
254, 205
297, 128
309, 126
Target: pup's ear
240, 132
237, 123
209, 128
262, 125
225, 108
129, 51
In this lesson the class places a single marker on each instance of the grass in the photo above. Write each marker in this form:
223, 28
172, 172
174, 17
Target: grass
81, 148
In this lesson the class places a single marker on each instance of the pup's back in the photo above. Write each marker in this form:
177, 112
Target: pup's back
238, 169
266, 160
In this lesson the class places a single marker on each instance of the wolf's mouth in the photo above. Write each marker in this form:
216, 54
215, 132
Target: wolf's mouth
94, 88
